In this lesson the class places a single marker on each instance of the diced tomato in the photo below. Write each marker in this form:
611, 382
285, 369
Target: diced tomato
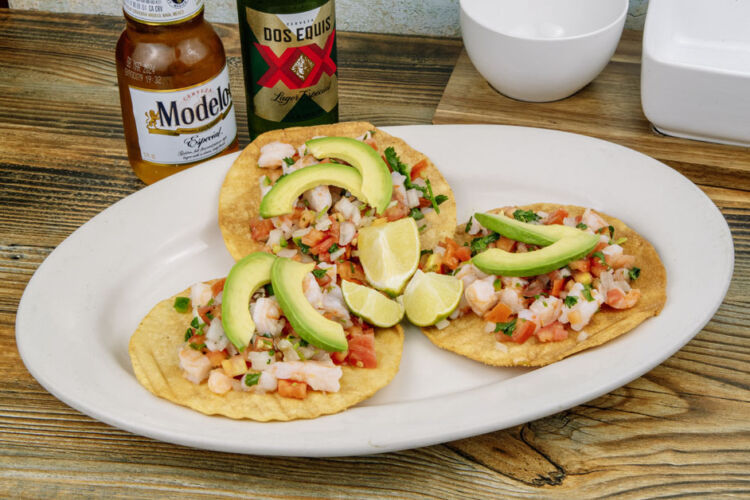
524, 330
334, 230
313, 237
209, 313
197, 340
463, 253
371, 142
597, 266
218, 287
260, 228
362, 351
505, 244
416, 169
454, 254
499, 314
424, 202
556, 217
598, 248
396, 212
292, 389
554, 332
350, 271
339, 357
216, 357
580, 265
324, 281
323, 246
557, 287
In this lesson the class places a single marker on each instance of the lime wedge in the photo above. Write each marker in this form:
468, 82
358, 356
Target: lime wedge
431, 297
371, 306
389, 254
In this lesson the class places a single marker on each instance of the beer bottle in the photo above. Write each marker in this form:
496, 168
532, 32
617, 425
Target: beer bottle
172, 73
289, 60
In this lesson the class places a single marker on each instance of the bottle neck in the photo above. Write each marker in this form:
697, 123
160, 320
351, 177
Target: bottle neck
155, 27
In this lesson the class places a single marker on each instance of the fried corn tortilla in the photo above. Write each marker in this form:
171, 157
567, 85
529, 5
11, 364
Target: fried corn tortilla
466, 335
239, 199
157, 340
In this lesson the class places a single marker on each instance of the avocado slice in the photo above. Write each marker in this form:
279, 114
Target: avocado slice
244, 279
499, 262
286, 279
533, 234
283, 195
377, 185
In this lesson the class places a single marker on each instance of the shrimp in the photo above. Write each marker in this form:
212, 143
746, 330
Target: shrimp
266, 383
511, 297
200, 295
593, 221
546, 309
333, 303
317, 375
319, 198
312, 290
469, 273
582, 311
195, 365
347, 232
267, 316
620, 300
481, 295
218, 382
216, 339
273, 154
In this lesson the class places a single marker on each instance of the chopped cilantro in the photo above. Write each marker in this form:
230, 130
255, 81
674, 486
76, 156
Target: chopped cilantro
283, 243
634, 273
611, 231
497, 284
506, 328
431, 197
319, 273
587, 293
333, 248
441, 198
416, 214
289, 161
181, 304
619, 241
195, 323
581, 225
525, 215
391, 157
302, 247
188, 334
480, 244
570, 301
425, 252
197, 347
422, 228
468, 225
269, 290
252, 379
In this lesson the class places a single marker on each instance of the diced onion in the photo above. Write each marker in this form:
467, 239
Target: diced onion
442, 324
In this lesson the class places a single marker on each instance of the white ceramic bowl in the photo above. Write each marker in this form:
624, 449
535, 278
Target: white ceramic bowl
695, 74
541, 50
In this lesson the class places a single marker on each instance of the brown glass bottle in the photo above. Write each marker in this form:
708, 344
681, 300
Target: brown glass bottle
177, 108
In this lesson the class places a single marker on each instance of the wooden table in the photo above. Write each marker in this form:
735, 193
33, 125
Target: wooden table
683, 428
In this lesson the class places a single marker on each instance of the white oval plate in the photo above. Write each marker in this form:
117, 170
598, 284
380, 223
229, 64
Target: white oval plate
85, 300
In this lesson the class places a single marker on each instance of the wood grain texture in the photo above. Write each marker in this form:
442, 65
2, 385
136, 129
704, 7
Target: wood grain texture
608, 108
681, 430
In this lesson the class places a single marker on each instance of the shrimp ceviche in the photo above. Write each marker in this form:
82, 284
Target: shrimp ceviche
276, 359
324, 223
546, 316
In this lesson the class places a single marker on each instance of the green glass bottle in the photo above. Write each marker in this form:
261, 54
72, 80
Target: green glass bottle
289, 58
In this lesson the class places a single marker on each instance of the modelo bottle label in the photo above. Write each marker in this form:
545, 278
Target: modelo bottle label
293, 58
185, 125
161, 11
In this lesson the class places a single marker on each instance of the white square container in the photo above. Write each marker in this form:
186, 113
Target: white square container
695, 79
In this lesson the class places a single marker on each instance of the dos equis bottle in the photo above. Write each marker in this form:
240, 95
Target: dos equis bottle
172, 72
289, 57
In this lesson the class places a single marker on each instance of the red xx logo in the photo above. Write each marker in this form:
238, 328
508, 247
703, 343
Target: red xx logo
297, 67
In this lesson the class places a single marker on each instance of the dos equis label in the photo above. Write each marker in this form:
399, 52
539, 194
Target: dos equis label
185, 125
293, 63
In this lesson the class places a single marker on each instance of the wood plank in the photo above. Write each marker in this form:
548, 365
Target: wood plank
608, 108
